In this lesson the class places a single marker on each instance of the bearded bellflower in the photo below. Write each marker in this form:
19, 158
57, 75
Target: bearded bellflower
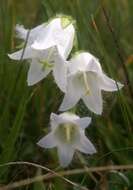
86, 80
68, 134
48, 46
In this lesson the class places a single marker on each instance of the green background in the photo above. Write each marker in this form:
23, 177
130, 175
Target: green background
104, 28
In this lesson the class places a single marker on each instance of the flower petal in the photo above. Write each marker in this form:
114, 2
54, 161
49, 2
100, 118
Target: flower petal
21, 32
38, 29
53, 117
65, 117
48, 43
65, 40
45, 38
55, 35
93, 100
84, 122
68, 117
85, 145
73, 94
65, 155
84, 62
54, 120
109, 84
26, 53
48, 141
60, 73
36, 72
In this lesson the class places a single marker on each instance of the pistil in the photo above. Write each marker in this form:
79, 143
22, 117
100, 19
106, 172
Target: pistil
46, 62
68, 133
86, 83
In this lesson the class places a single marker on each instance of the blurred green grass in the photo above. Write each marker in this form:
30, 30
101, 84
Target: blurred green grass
25, 111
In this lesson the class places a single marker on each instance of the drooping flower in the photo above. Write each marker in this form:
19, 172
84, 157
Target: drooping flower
86, 80
48, 46
68, 134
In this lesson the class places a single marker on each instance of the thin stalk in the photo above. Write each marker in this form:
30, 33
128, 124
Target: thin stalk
53, 174
128, 82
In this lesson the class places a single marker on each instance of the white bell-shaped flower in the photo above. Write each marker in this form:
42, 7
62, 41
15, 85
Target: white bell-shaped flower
86, 80
48, 47
68, 134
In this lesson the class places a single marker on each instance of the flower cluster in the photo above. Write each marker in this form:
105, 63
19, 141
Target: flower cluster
81, 77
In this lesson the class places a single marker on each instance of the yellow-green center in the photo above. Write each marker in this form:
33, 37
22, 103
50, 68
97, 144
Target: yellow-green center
67, 133
46, 64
